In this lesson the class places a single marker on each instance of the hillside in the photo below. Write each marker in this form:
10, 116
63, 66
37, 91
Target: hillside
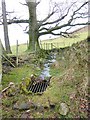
59, 42
82, 29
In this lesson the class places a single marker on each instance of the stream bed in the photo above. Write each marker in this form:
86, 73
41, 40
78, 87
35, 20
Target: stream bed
43, 81
46, 70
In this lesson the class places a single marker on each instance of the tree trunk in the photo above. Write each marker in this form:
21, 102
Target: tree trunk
33, 27
5, 26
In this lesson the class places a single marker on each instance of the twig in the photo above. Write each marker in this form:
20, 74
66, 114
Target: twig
5, 89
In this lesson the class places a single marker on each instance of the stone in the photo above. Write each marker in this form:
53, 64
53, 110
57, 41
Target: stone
11, 84
24, 106
40, 108
24, 115
21, 106
63, 109
15, 106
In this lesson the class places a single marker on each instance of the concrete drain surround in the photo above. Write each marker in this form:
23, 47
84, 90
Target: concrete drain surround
38, 86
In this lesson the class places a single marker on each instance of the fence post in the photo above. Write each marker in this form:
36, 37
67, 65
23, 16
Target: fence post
27, 44
51, 45
41, 45
17, 53
44, 46
57, 45
48, 46
35, 47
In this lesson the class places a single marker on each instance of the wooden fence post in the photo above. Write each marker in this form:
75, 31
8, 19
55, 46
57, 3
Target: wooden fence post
44, 46
35, 47
17, 53
51, 45
48, 46
57, 45
27, 44
41, 45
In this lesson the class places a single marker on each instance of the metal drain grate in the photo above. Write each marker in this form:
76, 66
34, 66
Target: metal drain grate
41, 86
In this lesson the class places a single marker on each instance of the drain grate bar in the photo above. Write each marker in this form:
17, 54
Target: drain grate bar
39, 86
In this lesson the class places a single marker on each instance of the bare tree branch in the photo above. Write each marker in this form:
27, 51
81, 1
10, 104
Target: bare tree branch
59, 19
40, 23
45, 27
18, 21
50, 31
23, 4
74, 13
26, 28
38, 2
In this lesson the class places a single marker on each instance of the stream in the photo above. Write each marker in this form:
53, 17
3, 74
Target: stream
46, 70
43, 80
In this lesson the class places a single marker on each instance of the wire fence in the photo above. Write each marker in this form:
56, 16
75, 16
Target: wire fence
43, 45
50, 46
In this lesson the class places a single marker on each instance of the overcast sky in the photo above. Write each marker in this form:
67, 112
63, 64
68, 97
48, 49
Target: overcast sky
16, 31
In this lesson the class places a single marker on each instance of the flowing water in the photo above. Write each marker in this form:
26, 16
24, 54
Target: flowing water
46, 71
44, 78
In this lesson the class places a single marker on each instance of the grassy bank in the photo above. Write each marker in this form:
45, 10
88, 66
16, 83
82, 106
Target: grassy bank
68, 85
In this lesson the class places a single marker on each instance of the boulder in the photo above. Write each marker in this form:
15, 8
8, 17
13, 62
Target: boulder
63, 110
24, 105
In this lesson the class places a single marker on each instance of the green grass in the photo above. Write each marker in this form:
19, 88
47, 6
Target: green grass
57, 43
17, 74
21, 49
70, 77
63, 42
57, 92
